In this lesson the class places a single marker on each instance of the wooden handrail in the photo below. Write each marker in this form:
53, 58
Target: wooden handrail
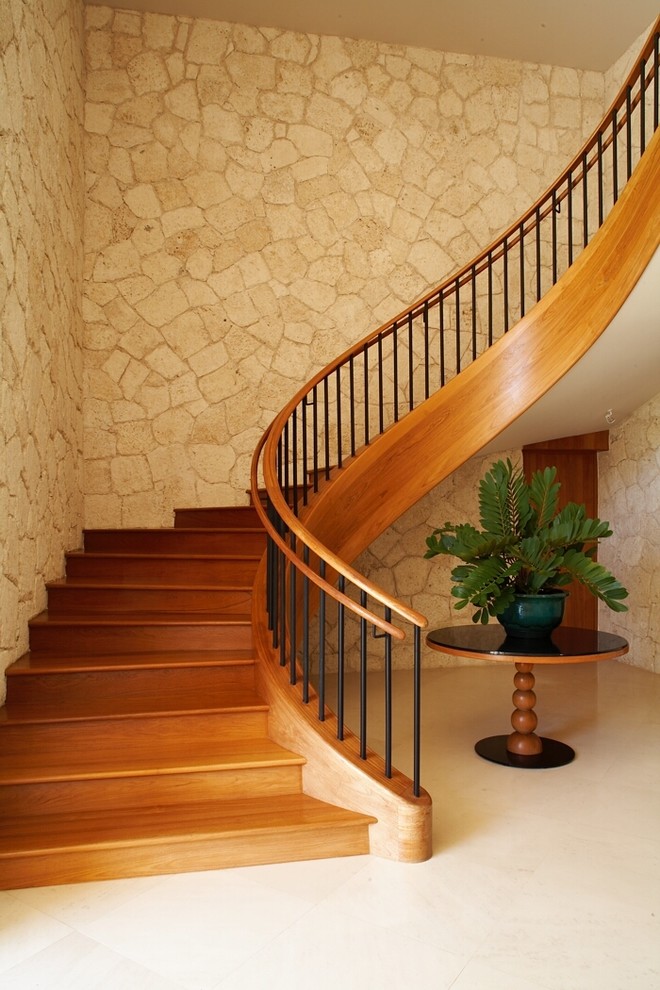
336, 564
511, 237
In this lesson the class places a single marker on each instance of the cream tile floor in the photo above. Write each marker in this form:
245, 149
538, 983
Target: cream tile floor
540, 880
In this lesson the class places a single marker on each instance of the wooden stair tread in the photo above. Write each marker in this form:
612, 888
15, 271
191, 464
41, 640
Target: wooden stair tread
176, 534
123, 827
216, 516
102, 554
195, 757
133, 741
140, 619
35, 662
67, 709
79, 584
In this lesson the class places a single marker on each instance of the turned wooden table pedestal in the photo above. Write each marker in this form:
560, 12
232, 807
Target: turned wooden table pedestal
522, 747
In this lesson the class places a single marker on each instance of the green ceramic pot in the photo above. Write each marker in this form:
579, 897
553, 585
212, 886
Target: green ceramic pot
534, 616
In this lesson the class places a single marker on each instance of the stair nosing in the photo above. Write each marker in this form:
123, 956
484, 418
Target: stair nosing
183, 831
136, 618
157, 766
136, 661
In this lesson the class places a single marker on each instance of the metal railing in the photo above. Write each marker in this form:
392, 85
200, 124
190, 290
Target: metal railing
312, 594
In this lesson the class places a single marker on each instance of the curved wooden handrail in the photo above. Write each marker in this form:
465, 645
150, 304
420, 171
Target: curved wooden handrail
267, 447
506, 380
335, 562
492, 252
402, 458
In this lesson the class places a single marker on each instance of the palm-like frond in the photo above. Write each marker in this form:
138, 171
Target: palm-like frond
504, 500
526, 545
544, 495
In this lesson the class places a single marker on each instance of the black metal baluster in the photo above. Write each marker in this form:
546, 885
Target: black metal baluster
293, 616
285, 463
363, 679
656, 82
388, 697
294, 459
490, 297
283, 607
585, 201
315, 433
521, 272
427, 354
367, 427
351, 392
326, 414
305, 631
555, 211
417, 710
539, 284
628, 132
270, 568
474, 312
305, 452
569, 219
615, 158
458, 325
381, 387
441, 306
340, 454
601, 211
341, 584
642, 108
395, 360
505, 277
411, 397
322, 607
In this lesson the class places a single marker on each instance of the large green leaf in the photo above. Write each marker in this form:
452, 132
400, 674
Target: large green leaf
526, 545
504, 500
544, 494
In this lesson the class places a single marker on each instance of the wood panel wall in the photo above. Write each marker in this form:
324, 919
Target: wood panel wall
576, 460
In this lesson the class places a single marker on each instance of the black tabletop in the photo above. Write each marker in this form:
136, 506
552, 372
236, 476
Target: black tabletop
566, 641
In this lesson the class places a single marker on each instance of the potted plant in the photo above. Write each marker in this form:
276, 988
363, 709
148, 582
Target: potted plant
526, 553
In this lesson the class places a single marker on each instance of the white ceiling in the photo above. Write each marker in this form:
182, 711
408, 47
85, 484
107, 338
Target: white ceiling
618, 374
587, 34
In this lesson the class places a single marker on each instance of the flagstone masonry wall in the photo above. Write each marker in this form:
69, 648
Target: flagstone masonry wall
41, 262
258, 200
629, 476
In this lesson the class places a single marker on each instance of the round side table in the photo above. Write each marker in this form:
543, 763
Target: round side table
522, 747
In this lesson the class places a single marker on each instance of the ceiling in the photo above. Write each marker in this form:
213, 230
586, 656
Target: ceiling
618, 374
586, 34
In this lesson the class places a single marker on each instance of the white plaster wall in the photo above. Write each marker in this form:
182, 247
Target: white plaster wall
41, 210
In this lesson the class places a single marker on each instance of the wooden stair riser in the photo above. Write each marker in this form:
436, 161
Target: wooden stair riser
144, 737
109, 638
67, 598
118, 569
166, 790
223, 517
242, 542
191, 854
168, 687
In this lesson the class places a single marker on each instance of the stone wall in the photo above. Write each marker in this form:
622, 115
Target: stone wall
259, 199
629, 476
41, 261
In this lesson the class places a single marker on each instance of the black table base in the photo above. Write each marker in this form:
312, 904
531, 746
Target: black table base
553, 754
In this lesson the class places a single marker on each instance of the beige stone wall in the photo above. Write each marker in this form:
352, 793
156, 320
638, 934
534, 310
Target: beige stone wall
41, 204
259, 199
395, 561
629, 479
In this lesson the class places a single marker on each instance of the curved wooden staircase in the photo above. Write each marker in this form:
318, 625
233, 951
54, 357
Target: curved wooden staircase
139, 735
133, 740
